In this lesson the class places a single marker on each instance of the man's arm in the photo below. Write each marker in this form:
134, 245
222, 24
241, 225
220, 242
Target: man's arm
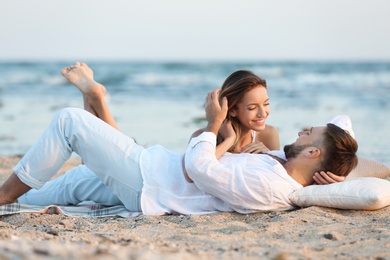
227, 132
215, 115
201, 163
216, 122
322, 178
215, 112
241, 191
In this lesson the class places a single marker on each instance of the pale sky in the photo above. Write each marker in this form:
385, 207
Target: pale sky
187, 30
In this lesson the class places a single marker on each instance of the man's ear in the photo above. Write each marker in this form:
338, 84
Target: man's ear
312, 152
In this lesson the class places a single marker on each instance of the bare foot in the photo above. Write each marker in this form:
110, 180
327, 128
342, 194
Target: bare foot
94, 93
6, 200
12, 189
81, 76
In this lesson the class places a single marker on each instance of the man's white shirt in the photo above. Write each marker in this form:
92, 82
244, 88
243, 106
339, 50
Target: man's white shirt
243, 182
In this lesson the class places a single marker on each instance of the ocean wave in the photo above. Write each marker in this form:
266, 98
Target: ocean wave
30, 93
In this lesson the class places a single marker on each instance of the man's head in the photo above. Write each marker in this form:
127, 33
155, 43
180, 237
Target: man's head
341, 148
333, 149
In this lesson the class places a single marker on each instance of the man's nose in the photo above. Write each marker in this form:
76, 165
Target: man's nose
301, 133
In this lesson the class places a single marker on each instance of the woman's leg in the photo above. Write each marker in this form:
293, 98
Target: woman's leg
93, 92
111, 155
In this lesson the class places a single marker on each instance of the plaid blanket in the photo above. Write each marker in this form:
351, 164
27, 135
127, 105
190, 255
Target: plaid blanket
82, 210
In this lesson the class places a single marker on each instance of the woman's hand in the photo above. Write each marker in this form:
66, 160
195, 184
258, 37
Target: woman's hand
256, 147
227, 131
322, 178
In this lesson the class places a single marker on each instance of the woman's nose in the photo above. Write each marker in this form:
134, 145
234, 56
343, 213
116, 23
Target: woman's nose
261, 113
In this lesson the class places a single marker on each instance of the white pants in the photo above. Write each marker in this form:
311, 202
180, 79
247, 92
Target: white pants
111, 174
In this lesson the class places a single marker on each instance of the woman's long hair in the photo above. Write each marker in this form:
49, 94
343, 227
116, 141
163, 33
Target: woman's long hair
234, 88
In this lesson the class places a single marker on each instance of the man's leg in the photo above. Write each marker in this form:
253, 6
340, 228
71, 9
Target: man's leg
76, 185
111, 155
11, 189
93, 92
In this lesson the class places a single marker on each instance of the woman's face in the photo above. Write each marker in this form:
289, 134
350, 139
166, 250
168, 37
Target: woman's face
253, 109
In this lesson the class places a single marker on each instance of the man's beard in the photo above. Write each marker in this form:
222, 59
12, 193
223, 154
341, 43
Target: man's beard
292, 150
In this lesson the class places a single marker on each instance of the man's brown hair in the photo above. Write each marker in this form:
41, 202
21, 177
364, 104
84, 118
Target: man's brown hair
340, 151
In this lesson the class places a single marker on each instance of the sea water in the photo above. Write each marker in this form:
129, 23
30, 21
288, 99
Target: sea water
163, 102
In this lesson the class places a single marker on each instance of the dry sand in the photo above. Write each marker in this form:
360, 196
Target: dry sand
310, 233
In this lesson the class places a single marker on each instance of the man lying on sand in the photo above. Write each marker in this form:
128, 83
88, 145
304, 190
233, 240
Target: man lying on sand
247, 113
116, 170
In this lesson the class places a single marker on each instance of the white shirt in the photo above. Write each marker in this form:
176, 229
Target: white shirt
243, 182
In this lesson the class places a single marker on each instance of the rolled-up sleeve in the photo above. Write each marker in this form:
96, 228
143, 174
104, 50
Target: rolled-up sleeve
210, 176
200, 157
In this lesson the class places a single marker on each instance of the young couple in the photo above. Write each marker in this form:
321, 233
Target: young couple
223, 175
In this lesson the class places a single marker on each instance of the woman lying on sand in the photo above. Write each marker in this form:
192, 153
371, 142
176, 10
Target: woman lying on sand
153, 180
248, 109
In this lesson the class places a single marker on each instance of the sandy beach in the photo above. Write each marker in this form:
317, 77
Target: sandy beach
309, 233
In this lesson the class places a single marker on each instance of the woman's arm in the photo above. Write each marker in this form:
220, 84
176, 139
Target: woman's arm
269, 137
227, 132
266, 140
229, 137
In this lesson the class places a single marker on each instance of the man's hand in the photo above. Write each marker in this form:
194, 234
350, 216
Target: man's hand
327, 178
215, 112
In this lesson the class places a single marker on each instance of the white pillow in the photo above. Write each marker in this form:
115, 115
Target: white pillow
366, 193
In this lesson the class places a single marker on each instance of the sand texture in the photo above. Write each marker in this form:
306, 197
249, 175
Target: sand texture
310, 233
